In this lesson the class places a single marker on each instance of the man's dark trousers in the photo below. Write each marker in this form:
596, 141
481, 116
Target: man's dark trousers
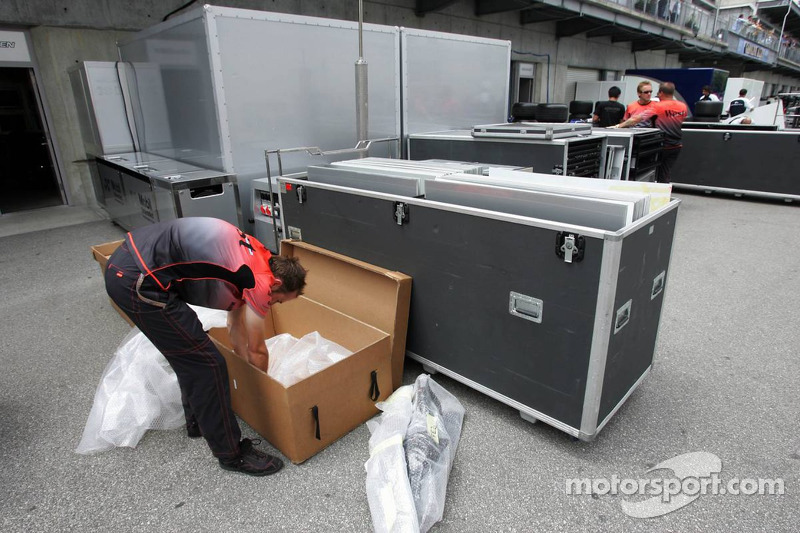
668, 158
173, 327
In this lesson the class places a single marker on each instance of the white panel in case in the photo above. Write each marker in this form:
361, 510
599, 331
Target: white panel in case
442, 92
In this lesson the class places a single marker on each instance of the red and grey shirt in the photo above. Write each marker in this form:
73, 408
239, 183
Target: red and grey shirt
669, 115
206, 261
636, 109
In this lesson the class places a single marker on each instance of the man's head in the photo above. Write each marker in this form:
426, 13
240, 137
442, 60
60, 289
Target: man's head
743, 92
645, 92
290, 278
706, 90
614, 92
666, 91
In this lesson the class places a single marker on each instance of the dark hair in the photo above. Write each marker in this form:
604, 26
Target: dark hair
706, 88
614, 92
290, 272
667, 88
742, 92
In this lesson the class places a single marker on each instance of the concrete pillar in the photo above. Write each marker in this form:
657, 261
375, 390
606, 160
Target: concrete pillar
57, 49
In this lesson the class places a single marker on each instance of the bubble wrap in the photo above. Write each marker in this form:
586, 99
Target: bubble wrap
430, 444
292, 360
412, 448
388, 492
138, 391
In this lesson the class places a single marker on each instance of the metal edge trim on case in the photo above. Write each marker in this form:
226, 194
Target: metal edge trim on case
497, 396
214, 63
307, 20
666, 282
624, 399
413, 32
603, 322
485, 213
744, 192
647, 219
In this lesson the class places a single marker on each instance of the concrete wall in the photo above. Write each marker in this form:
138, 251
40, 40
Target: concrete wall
61, 38
56, 50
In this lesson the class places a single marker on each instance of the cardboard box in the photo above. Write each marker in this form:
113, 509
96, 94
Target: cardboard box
360, 306
101, 253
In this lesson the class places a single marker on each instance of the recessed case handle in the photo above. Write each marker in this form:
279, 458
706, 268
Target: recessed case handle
525, 306
623, 316
658, 284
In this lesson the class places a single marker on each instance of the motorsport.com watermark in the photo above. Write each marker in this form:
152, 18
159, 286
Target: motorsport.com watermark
695, 474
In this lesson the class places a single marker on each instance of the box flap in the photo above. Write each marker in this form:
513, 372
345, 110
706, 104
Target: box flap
371, 294
101, 252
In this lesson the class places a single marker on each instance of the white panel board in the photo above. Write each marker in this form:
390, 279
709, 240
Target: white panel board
453, 81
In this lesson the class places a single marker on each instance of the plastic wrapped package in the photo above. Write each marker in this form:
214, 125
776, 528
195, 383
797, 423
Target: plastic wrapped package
138, 391
391, 503
292, 360
430, 445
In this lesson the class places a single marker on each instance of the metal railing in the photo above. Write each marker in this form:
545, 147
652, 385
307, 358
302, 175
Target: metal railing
758, 32
679, 13
712, 25
791, 52
704, 23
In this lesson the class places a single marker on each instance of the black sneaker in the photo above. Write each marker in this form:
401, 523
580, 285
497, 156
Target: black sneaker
251, 461
193, 430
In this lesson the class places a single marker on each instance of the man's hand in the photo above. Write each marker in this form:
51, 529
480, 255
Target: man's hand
237, 331
247, 335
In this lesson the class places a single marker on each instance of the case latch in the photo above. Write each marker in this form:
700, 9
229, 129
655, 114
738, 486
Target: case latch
570, 246
300, 190
400, 213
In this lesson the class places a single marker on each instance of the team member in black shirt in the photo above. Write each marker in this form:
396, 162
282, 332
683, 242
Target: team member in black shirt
609, 113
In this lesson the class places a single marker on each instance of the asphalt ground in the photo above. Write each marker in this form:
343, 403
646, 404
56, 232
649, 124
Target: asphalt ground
724, 383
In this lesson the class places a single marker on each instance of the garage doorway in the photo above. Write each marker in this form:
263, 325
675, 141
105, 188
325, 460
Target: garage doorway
28, 177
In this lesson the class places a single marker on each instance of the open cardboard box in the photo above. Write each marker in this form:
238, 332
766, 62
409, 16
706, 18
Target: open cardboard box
359, 306
101, 253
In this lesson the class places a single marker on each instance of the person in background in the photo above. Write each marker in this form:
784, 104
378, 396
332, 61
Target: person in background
644, 103
738, 23
162, 268
610, 112
669, 114
740, 105
708, 95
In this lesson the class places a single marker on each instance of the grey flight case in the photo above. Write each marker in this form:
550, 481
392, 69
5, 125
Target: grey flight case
557, 321
576, 154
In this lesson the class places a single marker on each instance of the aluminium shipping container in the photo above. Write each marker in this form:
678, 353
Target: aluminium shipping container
558, 321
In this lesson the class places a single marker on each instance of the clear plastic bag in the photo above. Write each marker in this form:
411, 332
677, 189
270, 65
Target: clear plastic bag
388, 491
138, 391
292, 360
412, 448
430, 445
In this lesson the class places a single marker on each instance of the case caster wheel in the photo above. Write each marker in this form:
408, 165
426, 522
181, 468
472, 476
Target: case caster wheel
429, 370
528, 418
